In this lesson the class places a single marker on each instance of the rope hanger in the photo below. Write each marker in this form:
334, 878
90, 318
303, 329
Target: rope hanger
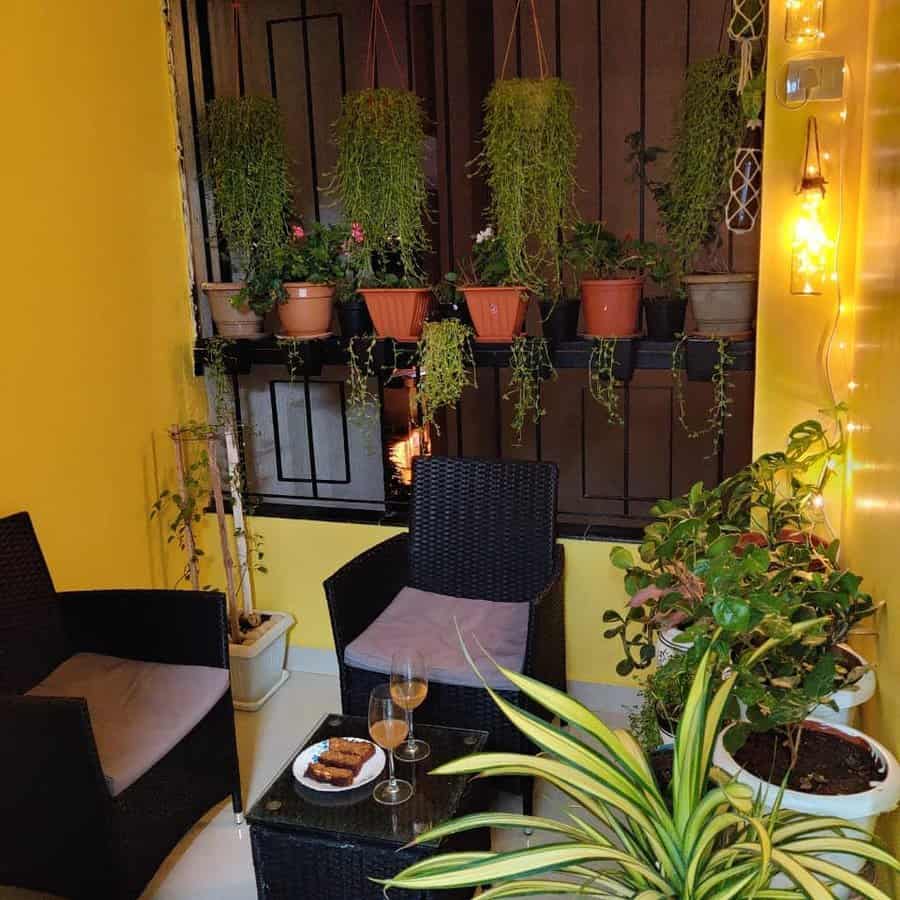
377, 17
543, 62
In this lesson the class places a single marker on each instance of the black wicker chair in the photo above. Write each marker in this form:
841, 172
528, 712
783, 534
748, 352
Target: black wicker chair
63, 832
478, 528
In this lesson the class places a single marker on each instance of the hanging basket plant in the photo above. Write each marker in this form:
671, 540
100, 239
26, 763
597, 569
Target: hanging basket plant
379, 180
530, 145
447, 367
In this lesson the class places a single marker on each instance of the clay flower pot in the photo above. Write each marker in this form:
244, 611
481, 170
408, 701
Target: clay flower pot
397, 313
307, 311
231, 322
722, 304
498, 313
611, 306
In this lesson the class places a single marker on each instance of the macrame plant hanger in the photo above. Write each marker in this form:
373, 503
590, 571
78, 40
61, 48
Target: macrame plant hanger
543, 62
747, 25
375, 19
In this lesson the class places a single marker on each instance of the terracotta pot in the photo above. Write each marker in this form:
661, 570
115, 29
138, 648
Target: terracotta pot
611, 306
397, 313
722, 304
307, 311
498, 313
231, 322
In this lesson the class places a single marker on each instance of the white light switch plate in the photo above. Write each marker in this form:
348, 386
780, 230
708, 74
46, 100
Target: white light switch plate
814, 78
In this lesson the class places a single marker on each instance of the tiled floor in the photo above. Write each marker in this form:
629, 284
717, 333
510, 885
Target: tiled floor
213, 861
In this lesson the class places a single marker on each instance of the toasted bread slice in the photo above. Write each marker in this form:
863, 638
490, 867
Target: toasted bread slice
329, 775
337, 760
363, 749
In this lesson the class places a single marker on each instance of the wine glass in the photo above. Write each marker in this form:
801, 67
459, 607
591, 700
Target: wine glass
409, 688
387, 727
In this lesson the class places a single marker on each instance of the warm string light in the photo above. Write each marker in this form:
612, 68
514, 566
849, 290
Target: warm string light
811, 247
804, 21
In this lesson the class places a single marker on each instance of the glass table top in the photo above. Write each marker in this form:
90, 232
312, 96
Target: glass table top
354, 814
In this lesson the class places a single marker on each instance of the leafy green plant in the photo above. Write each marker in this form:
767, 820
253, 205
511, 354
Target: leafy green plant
248, 170
380, 179
447, 366
594, 252
708, 127
488, 265
362, 404
319, 254
293, 349
602, 381
530, 366
530, 145
719, 410
216, 369
701, 840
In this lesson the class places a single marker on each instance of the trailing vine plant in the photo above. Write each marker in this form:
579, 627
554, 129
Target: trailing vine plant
362, 404
719, 410
379, 178
293, 348
447, 366
216, 368
530, 365
602, 380
530, 146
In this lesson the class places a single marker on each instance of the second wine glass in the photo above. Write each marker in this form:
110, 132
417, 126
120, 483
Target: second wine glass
409, 688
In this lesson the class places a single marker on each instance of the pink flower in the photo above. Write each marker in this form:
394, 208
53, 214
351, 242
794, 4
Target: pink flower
357, 233
298, 232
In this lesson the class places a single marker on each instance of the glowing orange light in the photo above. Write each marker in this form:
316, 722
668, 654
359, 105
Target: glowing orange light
803, 21
810, 247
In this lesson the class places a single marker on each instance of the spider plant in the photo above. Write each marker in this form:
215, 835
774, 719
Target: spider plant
630, 839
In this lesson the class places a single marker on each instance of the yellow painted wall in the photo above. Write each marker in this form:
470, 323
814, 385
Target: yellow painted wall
96, 308
792, 330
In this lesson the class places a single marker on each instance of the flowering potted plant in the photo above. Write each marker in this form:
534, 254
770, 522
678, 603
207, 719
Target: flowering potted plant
496, 303
380, 182
315, 262
248, 171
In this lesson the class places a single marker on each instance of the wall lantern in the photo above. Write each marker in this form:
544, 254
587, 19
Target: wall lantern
804, 21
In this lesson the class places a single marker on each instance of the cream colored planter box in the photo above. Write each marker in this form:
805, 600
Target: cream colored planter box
257, 669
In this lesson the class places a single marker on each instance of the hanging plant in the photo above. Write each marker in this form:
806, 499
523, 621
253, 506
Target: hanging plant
379, 179
293, 349
530, 145
530, 366
719, 410
447, 366
248, 170
602, 381
362, 404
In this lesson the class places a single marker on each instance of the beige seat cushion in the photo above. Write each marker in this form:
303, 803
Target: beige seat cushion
139, 710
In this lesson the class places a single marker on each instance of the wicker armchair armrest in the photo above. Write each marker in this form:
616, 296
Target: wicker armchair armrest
545, 656
362, 589
177, 627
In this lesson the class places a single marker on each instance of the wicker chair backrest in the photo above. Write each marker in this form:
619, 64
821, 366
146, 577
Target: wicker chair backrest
32, 637
482, 528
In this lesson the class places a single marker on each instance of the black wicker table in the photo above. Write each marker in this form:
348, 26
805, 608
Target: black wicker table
326, 846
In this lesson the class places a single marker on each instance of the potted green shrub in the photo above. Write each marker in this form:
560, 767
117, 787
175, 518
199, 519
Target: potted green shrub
496, 303
248, 171
528, 160
687, 836
708, 128
379, 180
314, 263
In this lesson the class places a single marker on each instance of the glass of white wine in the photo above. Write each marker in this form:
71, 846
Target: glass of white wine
409, 688
388, 728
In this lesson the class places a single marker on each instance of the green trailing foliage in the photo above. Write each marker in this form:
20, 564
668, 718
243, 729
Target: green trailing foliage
293, 351
530, 146
380, 179
592, 251
362, 404
247, 167
318, 254
695, 839
447, 366
602, 381
530, 366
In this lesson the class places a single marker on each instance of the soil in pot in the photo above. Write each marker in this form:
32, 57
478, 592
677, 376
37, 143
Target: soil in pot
354, 319
254, 626
664, 317
662, 762
560, 320
829, 763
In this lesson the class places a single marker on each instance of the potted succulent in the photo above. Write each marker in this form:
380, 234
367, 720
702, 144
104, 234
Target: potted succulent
379, 180
248, 171
314, 263
496, 303
688, 835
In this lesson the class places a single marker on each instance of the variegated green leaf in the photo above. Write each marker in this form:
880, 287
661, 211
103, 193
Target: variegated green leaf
841, 875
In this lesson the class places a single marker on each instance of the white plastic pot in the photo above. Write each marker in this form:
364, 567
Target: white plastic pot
849, 698
862, 809
257, 669
668, 646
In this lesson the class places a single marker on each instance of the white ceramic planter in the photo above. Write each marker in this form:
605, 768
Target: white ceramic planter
849, 699
668, 646
257, 670
862, 809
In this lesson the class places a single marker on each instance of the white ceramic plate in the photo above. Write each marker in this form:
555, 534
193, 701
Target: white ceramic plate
371, 769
